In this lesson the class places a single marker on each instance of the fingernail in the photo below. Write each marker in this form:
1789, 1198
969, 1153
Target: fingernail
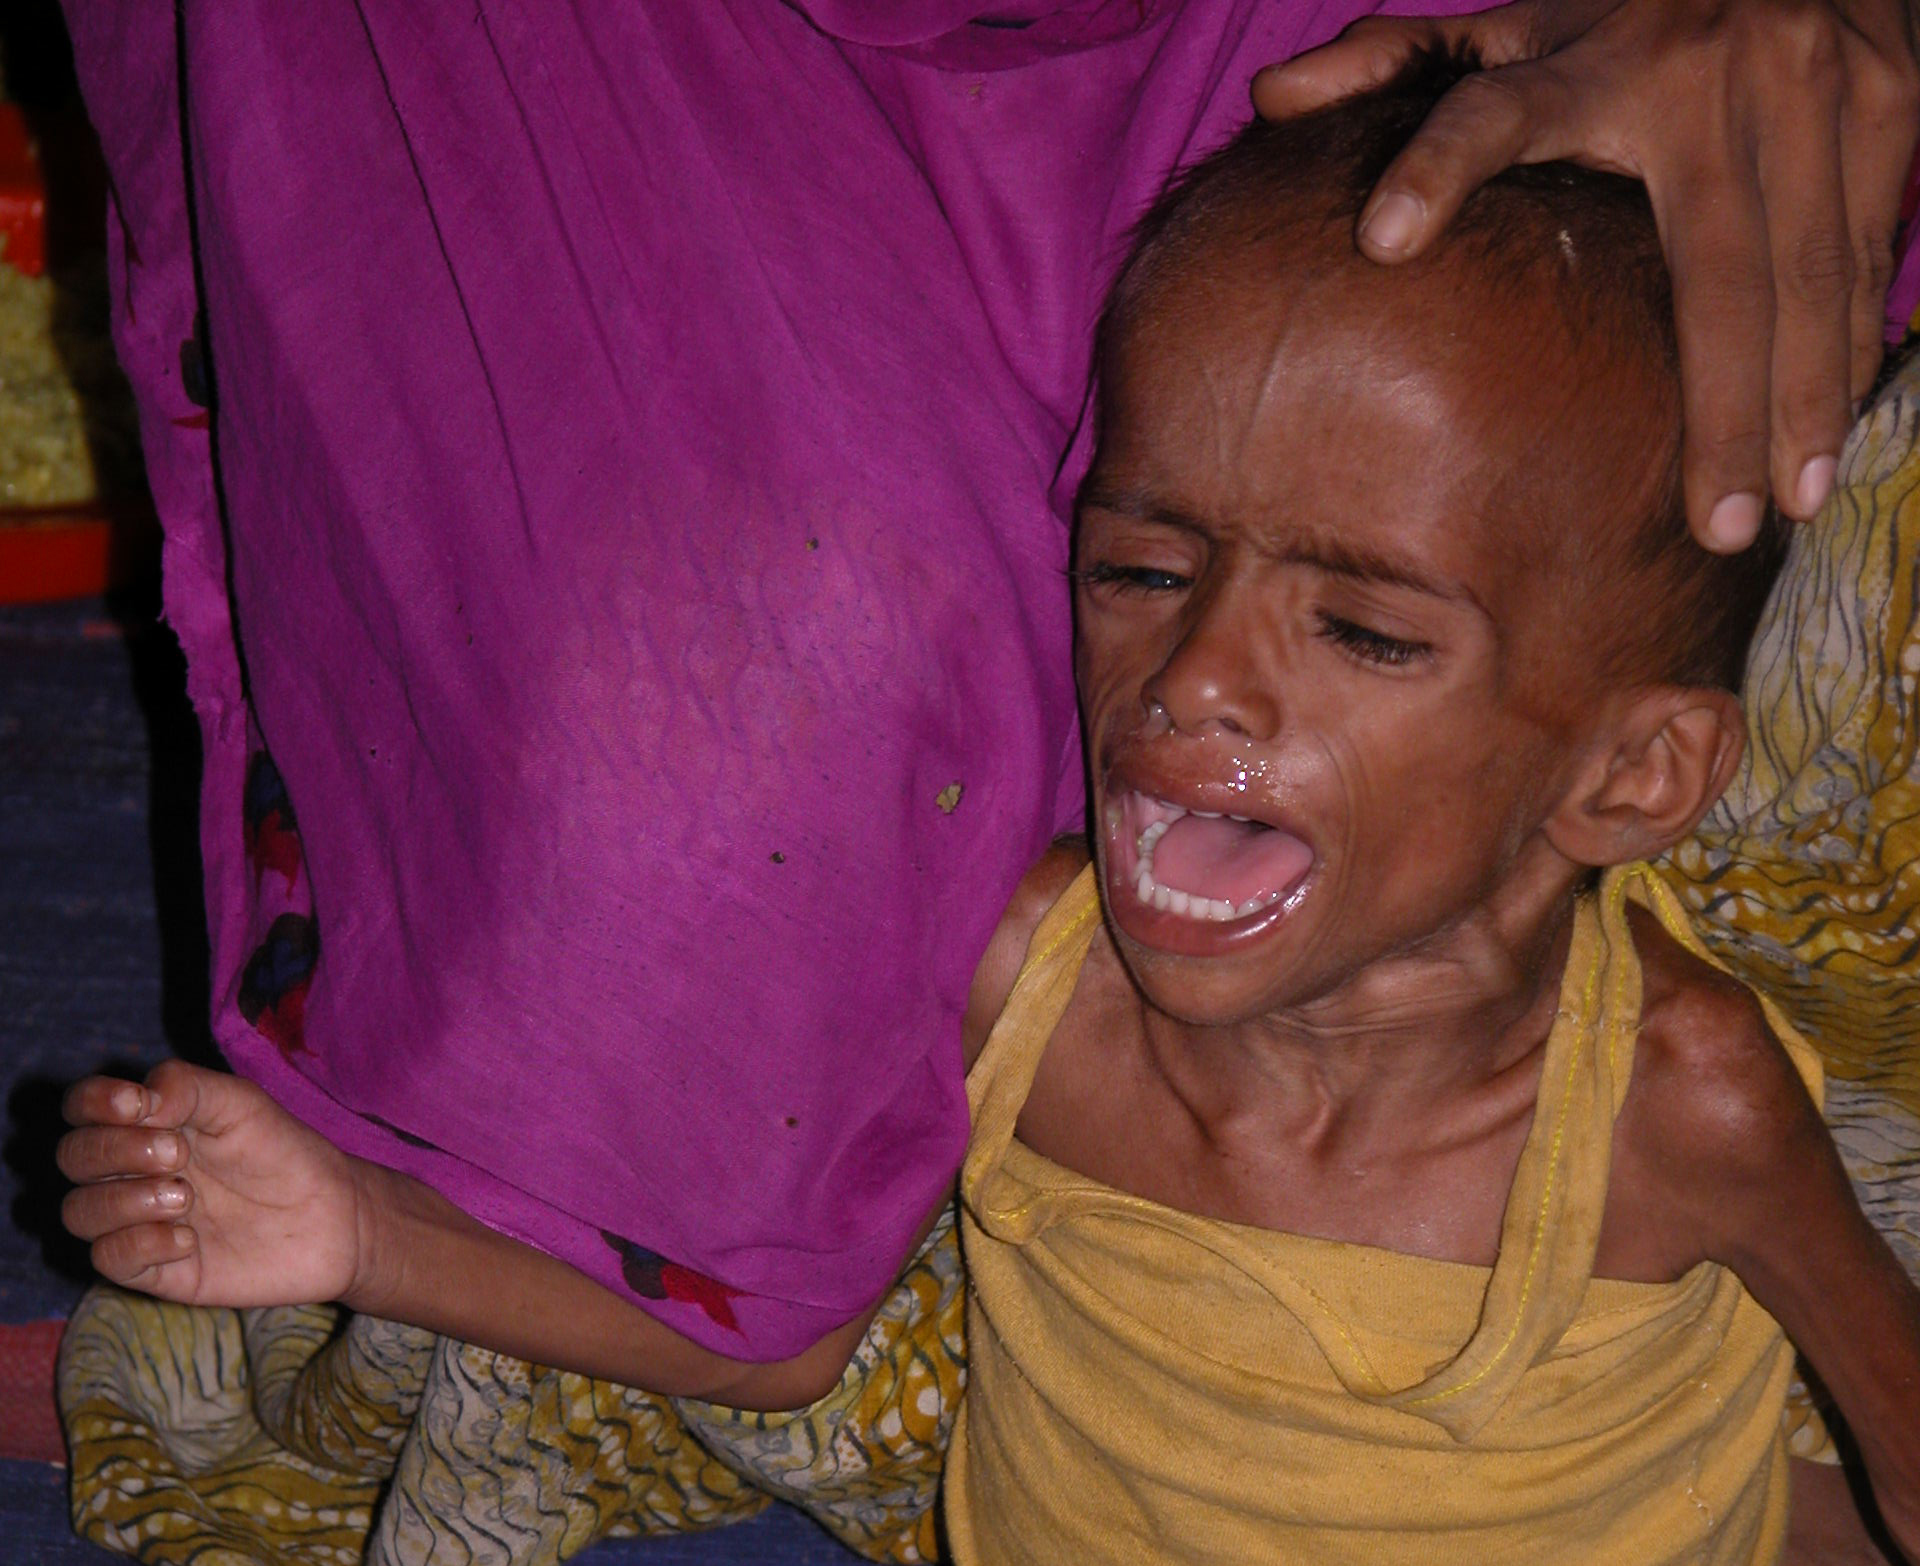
1816, 483
172, 1196
1390, 225
1734, 522
129, 1103
182, 1237
166, 1148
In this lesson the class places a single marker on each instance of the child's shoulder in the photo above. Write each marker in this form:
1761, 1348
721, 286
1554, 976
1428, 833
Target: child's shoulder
1706, 1051
1716, 1111
1039, 889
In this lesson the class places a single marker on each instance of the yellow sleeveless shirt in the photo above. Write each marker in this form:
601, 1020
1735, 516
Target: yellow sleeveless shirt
1147, 1385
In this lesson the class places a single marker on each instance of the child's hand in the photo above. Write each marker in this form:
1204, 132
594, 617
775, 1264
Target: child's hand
199, 1188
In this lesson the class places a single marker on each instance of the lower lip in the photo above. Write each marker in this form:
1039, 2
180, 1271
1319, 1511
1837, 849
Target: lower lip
1164, 931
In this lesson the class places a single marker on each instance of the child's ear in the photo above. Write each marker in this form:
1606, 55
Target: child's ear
1670, 754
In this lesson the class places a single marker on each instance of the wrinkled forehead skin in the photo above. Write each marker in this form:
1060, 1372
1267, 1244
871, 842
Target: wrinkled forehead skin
1289, 384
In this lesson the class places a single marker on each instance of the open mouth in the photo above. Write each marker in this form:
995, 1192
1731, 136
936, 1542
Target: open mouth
1208, 866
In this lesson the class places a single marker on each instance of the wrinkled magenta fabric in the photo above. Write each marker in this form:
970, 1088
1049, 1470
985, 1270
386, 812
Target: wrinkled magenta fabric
634, 669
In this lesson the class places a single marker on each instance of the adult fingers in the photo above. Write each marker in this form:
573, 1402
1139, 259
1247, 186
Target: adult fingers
1813, 275
1867, 310
91, 1211
1371, 50
1717, 253
115, 1152
1882, 121
1488, 122
1366, 55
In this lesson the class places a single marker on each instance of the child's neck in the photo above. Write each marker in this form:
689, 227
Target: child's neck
1468, 1003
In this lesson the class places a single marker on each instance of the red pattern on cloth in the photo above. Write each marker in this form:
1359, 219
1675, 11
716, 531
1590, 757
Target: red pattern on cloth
29, 1417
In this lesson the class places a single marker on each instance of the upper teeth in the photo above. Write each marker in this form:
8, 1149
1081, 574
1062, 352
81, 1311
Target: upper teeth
1171, 900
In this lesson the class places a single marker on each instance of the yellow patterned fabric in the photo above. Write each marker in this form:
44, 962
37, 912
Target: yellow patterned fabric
1149, 1385
1805, 878
303, 1436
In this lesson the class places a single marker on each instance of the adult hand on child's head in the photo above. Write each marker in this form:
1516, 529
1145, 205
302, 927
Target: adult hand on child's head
1774, 138
199, 1188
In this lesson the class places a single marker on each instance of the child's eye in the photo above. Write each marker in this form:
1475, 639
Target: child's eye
1370, 646
1130, 579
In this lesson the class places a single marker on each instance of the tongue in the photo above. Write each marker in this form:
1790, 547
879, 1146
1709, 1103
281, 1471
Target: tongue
1234, 861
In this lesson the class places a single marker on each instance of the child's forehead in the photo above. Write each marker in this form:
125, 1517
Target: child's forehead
1298, 402
1482, 343
1337, 394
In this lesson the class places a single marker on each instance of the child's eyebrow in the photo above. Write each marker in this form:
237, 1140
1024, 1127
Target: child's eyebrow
1141, 507
1334, 556
1338, 558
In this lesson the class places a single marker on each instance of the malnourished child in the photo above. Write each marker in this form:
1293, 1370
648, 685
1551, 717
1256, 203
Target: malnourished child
1367, 1164
1367, 1167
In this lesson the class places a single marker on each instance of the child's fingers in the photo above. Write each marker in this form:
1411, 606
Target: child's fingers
179, 1092
93, 1153
171, 1096
91, 1211
105, 1101
174, 1095
198, 1099
146, 1257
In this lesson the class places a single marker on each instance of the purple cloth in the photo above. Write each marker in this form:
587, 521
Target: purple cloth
635, 670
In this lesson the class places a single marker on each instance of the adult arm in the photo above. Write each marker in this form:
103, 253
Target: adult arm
1774, 138
197, 1187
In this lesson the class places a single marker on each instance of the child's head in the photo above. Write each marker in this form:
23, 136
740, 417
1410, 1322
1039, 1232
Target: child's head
1392, 562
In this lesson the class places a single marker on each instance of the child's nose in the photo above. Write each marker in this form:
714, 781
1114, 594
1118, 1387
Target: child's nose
1216, 678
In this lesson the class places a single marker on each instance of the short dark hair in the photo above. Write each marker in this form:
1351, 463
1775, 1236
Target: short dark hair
1278, 181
